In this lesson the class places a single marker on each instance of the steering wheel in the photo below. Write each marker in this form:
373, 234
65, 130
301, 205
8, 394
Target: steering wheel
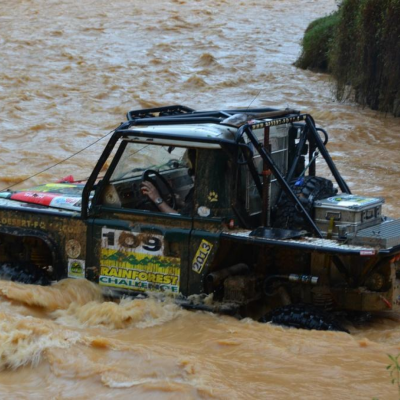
171, 200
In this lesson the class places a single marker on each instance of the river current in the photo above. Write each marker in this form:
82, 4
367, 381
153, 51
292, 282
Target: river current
69, 72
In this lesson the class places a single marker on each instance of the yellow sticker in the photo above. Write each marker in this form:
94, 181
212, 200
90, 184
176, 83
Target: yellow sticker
76, 268
201, 256
212, 196
127, 269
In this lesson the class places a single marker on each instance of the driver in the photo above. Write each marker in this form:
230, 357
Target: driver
150, 190
152, 193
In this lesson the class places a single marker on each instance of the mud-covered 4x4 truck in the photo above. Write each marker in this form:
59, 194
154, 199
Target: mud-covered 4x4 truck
254, 230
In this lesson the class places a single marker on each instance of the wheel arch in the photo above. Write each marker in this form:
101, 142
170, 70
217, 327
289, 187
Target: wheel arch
21, 235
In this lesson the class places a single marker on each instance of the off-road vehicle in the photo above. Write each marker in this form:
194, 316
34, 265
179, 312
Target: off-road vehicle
254, 230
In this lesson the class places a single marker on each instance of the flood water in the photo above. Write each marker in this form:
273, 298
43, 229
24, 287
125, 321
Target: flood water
69, 72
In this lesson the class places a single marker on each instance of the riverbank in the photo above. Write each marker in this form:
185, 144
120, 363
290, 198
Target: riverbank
359, 45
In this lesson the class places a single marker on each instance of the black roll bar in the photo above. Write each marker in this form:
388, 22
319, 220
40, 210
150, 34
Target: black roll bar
324, 152
93, 177
300, 145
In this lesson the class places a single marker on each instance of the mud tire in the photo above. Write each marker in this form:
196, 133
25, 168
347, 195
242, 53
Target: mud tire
305, 316
287, 215
26, 273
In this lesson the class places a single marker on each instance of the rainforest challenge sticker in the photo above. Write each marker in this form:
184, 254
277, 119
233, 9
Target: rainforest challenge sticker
76, 268
201, 256
136, 261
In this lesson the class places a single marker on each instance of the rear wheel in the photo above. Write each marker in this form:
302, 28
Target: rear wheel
304, 316
287, 214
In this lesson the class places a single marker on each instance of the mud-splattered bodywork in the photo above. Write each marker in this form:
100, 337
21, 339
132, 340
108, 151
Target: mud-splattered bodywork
225, 183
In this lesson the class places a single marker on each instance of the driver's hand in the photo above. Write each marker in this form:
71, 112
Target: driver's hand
149, 190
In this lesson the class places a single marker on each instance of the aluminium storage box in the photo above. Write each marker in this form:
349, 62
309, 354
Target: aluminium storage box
350, 213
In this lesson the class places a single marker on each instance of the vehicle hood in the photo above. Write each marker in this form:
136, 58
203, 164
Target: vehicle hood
65, 196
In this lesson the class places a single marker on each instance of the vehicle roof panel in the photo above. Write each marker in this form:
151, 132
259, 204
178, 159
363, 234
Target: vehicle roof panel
204, 131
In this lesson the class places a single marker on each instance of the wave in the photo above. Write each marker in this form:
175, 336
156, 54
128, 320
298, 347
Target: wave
57, 296
139, 313
207, 60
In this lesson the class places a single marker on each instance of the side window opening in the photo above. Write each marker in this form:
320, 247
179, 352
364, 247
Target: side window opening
279, 152
169, 170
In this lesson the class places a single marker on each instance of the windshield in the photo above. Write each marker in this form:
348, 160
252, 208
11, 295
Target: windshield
139, 157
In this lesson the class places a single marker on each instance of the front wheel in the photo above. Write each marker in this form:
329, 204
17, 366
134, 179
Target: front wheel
24, 272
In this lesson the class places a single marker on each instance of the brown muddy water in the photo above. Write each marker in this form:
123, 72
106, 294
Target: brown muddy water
69, 72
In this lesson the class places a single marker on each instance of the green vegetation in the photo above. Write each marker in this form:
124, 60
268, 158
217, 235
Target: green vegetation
360, 46
317, 43
394, 369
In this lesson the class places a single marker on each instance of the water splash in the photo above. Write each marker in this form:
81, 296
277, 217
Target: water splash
140, 313
24, 340
57, 296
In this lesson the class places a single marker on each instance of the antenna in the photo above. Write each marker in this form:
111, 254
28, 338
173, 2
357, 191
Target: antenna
254, 99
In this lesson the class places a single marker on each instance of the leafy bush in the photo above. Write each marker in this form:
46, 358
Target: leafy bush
316, 43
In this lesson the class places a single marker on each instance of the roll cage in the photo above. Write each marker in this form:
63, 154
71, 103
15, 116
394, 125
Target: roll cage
231, 138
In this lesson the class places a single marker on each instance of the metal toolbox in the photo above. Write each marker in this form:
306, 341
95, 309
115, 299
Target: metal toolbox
350, 213
384, 235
